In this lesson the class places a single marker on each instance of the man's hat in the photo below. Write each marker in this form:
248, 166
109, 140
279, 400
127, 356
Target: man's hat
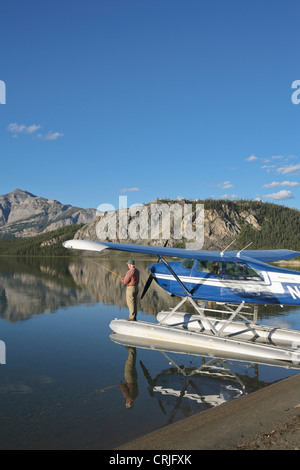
131, 262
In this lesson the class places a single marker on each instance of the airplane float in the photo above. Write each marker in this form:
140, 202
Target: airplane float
238, 280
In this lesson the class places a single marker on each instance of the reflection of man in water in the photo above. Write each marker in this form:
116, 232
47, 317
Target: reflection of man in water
130, 387
131, 280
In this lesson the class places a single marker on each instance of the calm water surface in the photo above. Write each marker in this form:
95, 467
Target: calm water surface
60, 386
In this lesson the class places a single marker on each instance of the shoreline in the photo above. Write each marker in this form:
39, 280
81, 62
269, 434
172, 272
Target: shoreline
268, 419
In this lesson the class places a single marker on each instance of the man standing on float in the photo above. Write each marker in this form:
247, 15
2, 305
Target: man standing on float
131, 281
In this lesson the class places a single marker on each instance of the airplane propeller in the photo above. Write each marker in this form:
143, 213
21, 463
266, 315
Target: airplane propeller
147, 285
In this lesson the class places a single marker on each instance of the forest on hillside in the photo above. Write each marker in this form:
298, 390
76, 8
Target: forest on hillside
280, 225
46, 244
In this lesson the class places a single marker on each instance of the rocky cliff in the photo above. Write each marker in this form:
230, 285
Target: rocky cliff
221, 224
23, 214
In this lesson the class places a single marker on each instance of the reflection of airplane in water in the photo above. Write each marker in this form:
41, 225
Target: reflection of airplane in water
192, 389
198, 383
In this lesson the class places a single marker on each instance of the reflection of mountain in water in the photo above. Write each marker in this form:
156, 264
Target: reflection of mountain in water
35, 289
30, 286
23, 295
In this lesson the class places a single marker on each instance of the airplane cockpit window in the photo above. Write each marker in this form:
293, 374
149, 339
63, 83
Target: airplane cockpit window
203, 266
250, 272
231, 270
240, 271
216, 267
187, 263
213, 267
234, 270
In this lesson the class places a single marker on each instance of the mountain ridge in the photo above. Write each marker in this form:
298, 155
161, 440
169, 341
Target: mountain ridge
23, 214
264, 225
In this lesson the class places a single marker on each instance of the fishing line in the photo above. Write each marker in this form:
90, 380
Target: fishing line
104, 267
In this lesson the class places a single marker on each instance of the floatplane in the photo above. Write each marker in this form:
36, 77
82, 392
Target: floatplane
237, 280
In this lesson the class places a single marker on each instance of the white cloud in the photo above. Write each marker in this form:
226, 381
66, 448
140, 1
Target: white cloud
282, 195
32, 128
252, 158
277, 157
128, 190
16, 128
267, 167
53, 135
228, 196
289, 169
226, 185
276, 184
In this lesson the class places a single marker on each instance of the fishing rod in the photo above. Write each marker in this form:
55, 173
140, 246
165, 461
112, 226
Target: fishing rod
104, 267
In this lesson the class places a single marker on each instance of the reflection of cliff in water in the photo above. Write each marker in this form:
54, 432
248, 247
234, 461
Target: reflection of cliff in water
31, 286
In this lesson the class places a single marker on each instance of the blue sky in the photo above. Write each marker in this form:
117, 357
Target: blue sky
150, 98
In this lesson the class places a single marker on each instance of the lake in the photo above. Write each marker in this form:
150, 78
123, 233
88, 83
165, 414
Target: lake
60, 386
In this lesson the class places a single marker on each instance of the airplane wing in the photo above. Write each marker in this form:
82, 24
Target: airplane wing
268, 256
149, 250
231, 256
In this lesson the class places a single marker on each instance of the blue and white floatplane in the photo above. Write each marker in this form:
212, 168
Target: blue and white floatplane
238, 280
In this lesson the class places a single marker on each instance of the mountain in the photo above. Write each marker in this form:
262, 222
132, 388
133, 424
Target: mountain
23, 214
264, 225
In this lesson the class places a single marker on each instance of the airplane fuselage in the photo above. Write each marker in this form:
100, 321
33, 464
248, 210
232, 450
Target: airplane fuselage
229, 282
